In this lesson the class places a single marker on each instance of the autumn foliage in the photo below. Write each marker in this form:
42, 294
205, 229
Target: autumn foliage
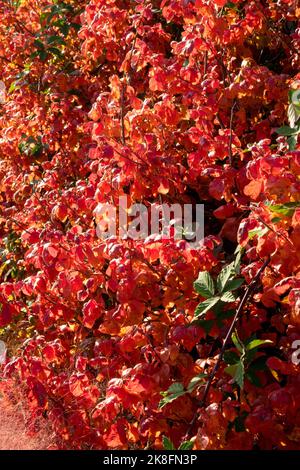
186, 101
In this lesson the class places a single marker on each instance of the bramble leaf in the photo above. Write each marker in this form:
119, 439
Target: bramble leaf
206, 305
204, 285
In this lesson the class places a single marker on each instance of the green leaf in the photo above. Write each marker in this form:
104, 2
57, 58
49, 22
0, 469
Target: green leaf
256, 343
204, 285
38, 44
253, 378
286, 209
294, 97
197, 380
224, 315
168, 445
237, 342
175, 391
231, 357
187, 445
260, 232
237, 262
290, 95
55, 51
206, 325
275, 220
13, 87
228, 297
206, 305
76, 26
42, 54
231, 370
65, 28
287, 131
177, 387
230, 5
235, 284
292, 142
240, 374
55, 40
43, 17
225, 275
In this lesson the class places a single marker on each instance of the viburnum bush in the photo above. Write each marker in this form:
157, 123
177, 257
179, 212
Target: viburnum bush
124, 344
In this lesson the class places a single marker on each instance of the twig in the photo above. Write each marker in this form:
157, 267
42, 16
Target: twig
113, 142
10, 62
23, 27
220, 121
20, 225
276, 233
247, 295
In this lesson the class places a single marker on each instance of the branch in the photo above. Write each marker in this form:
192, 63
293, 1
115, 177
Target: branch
10, 62
276, 233
247, 295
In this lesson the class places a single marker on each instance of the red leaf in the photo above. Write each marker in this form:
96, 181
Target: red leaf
91, 312
254, 189
6, 314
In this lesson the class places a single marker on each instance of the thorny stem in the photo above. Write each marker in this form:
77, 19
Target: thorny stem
247, 295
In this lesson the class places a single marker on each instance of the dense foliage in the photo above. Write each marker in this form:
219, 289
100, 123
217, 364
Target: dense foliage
187, 101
